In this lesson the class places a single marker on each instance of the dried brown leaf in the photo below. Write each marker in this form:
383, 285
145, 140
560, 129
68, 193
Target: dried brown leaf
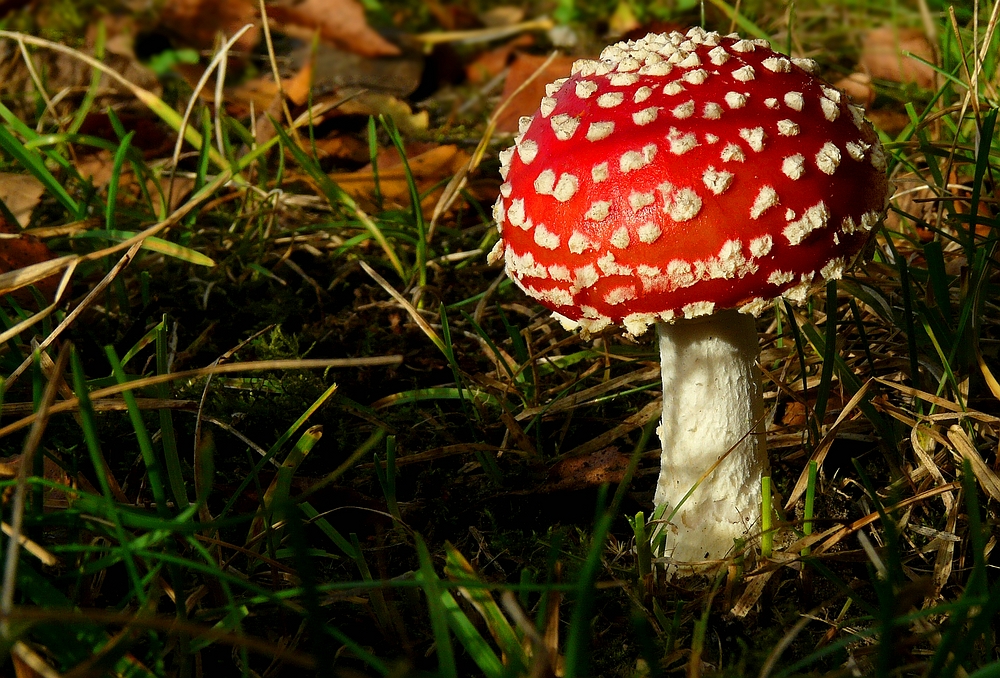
525, 102
342, 22
491, 63
19, 251
53, 498
576, 473
885, 56
427, 169
198, 22
858, 86
21, 193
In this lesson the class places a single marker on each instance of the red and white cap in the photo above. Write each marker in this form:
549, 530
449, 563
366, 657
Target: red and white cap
684, 173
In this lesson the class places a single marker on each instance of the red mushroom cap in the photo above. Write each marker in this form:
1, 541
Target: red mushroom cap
681, 174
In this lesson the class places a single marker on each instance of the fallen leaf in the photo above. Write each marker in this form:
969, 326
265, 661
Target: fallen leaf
890, 121
336, 69
348, 147
98, 167
20, 193
885, 56
298, 87
375, 103
17, 251
197, 23
577, 473
858, 86
526, 101
428, 168
342, 22
491, 63
452, 17
151, 135
53, 498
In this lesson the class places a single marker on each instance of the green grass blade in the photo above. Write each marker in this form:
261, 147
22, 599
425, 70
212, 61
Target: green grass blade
909, 327
810, 502
643, 550
440, 615
111, 207
885, 428
373, 158
938, 278
387, 479
338, 196
152, 244
420, 265
459, 570
983, 148
276, 447
73, 643
329, 530
826, 376
153, 466
230, 622
578, 640
36, 168
448, 348
171, 455
101, 471
470, 638
766, 518
379, 607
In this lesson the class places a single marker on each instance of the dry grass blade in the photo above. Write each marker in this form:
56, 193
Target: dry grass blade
45, 312
943, 403
407, 306
157, 105
221, 55
133, 245
18, 504
170, 625
582, 397
229, 368
944, 559
442, 453
32, 661
926, 461
72, 315
846, 530
824, 446
455, 185
108, 405
987, 478
484, 34
755, 586
650, 412
32, 547
22, 277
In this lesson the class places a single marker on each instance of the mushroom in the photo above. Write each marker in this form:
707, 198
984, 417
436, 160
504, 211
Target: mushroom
686, 181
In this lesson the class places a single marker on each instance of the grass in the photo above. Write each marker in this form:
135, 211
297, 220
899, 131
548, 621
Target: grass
277, 428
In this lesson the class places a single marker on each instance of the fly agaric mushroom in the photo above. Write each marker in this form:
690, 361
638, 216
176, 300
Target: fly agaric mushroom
686, 181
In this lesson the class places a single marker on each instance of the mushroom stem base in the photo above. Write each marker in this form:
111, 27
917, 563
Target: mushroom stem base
712, 410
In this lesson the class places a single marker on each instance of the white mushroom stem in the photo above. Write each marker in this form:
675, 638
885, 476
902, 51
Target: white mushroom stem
712, 408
